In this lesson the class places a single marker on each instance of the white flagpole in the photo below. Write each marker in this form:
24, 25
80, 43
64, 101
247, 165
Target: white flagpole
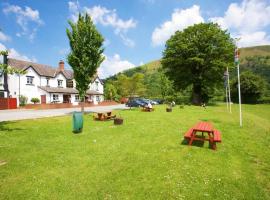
239, 94
227, 98
229, 92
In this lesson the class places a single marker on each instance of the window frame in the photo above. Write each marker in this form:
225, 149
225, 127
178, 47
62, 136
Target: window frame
59, 81
30, 78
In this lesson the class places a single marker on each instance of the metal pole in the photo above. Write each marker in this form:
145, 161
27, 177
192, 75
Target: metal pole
239, 93
229, 92
227, 98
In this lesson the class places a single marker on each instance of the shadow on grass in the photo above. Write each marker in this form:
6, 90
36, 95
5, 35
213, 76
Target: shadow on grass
4, 126
196, 143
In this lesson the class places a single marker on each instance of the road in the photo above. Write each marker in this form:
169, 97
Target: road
19, 114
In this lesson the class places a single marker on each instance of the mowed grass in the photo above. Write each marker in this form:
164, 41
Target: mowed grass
142, 159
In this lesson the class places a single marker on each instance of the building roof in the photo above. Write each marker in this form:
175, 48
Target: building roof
42, 70
67, 90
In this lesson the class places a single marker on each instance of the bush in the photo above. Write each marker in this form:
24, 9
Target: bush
252, 88
35, 100
22, 100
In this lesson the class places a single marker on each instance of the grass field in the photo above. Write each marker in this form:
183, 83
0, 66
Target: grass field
142, 159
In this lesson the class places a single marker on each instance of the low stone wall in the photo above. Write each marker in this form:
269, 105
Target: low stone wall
65, 105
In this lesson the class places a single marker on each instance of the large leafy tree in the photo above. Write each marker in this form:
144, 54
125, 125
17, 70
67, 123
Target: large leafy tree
252, 87
86, 52
198, 56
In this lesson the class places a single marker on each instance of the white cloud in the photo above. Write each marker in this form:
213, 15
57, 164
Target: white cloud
113, 65
105, 17
4, 38
253, 39
180, 19
127, 41
27, 18
74, 10
15, 54
247, 20
249, 16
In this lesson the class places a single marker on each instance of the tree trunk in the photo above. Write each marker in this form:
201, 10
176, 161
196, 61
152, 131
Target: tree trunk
82, 105
197, 95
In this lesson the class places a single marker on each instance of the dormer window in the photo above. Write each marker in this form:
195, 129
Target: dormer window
69, 83
48, 81
96, 85
29, 80
60, 83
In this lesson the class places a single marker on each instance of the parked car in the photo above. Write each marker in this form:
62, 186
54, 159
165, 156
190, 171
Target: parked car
159, 101
135, 103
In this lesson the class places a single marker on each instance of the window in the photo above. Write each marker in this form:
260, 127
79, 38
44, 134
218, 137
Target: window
69, 83
97, 99
60, 83
55, 97
77, 98
48, 81
30, 80
96, 85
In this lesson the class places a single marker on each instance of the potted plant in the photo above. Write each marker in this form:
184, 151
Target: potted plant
118, 120
35, 100
169, 108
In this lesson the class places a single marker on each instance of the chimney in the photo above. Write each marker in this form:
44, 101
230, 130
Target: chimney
61, 65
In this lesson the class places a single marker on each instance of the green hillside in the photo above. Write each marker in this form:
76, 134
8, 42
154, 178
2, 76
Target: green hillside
251, 58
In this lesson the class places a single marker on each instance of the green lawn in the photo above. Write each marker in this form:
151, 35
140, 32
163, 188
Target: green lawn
142, 159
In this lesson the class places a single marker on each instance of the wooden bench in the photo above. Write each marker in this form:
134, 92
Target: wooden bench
217, 138
146, 109
188, 134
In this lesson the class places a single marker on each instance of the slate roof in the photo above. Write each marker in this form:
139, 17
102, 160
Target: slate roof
42, 70
67, 90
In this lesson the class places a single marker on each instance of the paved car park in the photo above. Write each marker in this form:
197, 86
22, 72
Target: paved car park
19, 114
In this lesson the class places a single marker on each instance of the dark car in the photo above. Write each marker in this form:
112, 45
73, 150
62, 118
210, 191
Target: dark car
135, 103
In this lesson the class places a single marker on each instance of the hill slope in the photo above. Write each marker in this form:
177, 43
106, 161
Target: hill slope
245, 53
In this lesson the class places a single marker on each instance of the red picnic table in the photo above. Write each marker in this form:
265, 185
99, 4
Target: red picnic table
214, 135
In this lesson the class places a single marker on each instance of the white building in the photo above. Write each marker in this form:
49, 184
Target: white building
48, 84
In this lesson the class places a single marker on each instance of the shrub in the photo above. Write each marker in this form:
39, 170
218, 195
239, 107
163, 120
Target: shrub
35, 100
252, 88
23, 100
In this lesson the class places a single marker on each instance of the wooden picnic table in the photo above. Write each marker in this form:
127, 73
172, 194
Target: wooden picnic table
203, 127
147, 109
102, 116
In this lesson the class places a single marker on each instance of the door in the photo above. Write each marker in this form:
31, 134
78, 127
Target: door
43, 99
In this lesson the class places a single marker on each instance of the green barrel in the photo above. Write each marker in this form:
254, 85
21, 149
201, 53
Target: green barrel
77, 122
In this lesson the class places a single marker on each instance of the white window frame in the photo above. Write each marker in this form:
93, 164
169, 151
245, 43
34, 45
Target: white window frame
97, 98
96, 84
55, 97
61, 83
29, 80
47, 81
77, 98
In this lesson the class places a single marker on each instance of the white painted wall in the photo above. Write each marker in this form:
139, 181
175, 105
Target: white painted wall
32, 91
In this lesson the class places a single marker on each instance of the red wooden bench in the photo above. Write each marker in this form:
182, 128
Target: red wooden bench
217, 138
188, 133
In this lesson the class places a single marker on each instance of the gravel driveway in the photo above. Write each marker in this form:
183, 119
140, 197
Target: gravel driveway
19, 114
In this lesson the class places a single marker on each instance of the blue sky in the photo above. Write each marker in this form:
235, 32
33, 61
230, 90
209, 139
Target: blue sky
135, 31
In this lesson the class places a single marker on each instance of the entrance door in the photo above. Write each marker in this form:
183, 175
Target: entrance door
66, 98
43, 99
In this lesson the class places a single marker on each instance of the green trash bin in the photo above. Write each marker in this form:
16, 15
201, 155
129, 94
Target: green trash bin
77, 122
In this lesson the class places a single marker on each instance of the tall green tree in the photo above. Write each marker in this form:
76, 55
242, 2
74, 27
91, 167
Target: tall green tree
86, 52
252, 87
110, 91
198, 56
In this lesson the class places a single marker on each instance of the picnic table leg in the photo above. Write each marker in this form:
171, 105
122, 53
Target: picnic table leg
191, 139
